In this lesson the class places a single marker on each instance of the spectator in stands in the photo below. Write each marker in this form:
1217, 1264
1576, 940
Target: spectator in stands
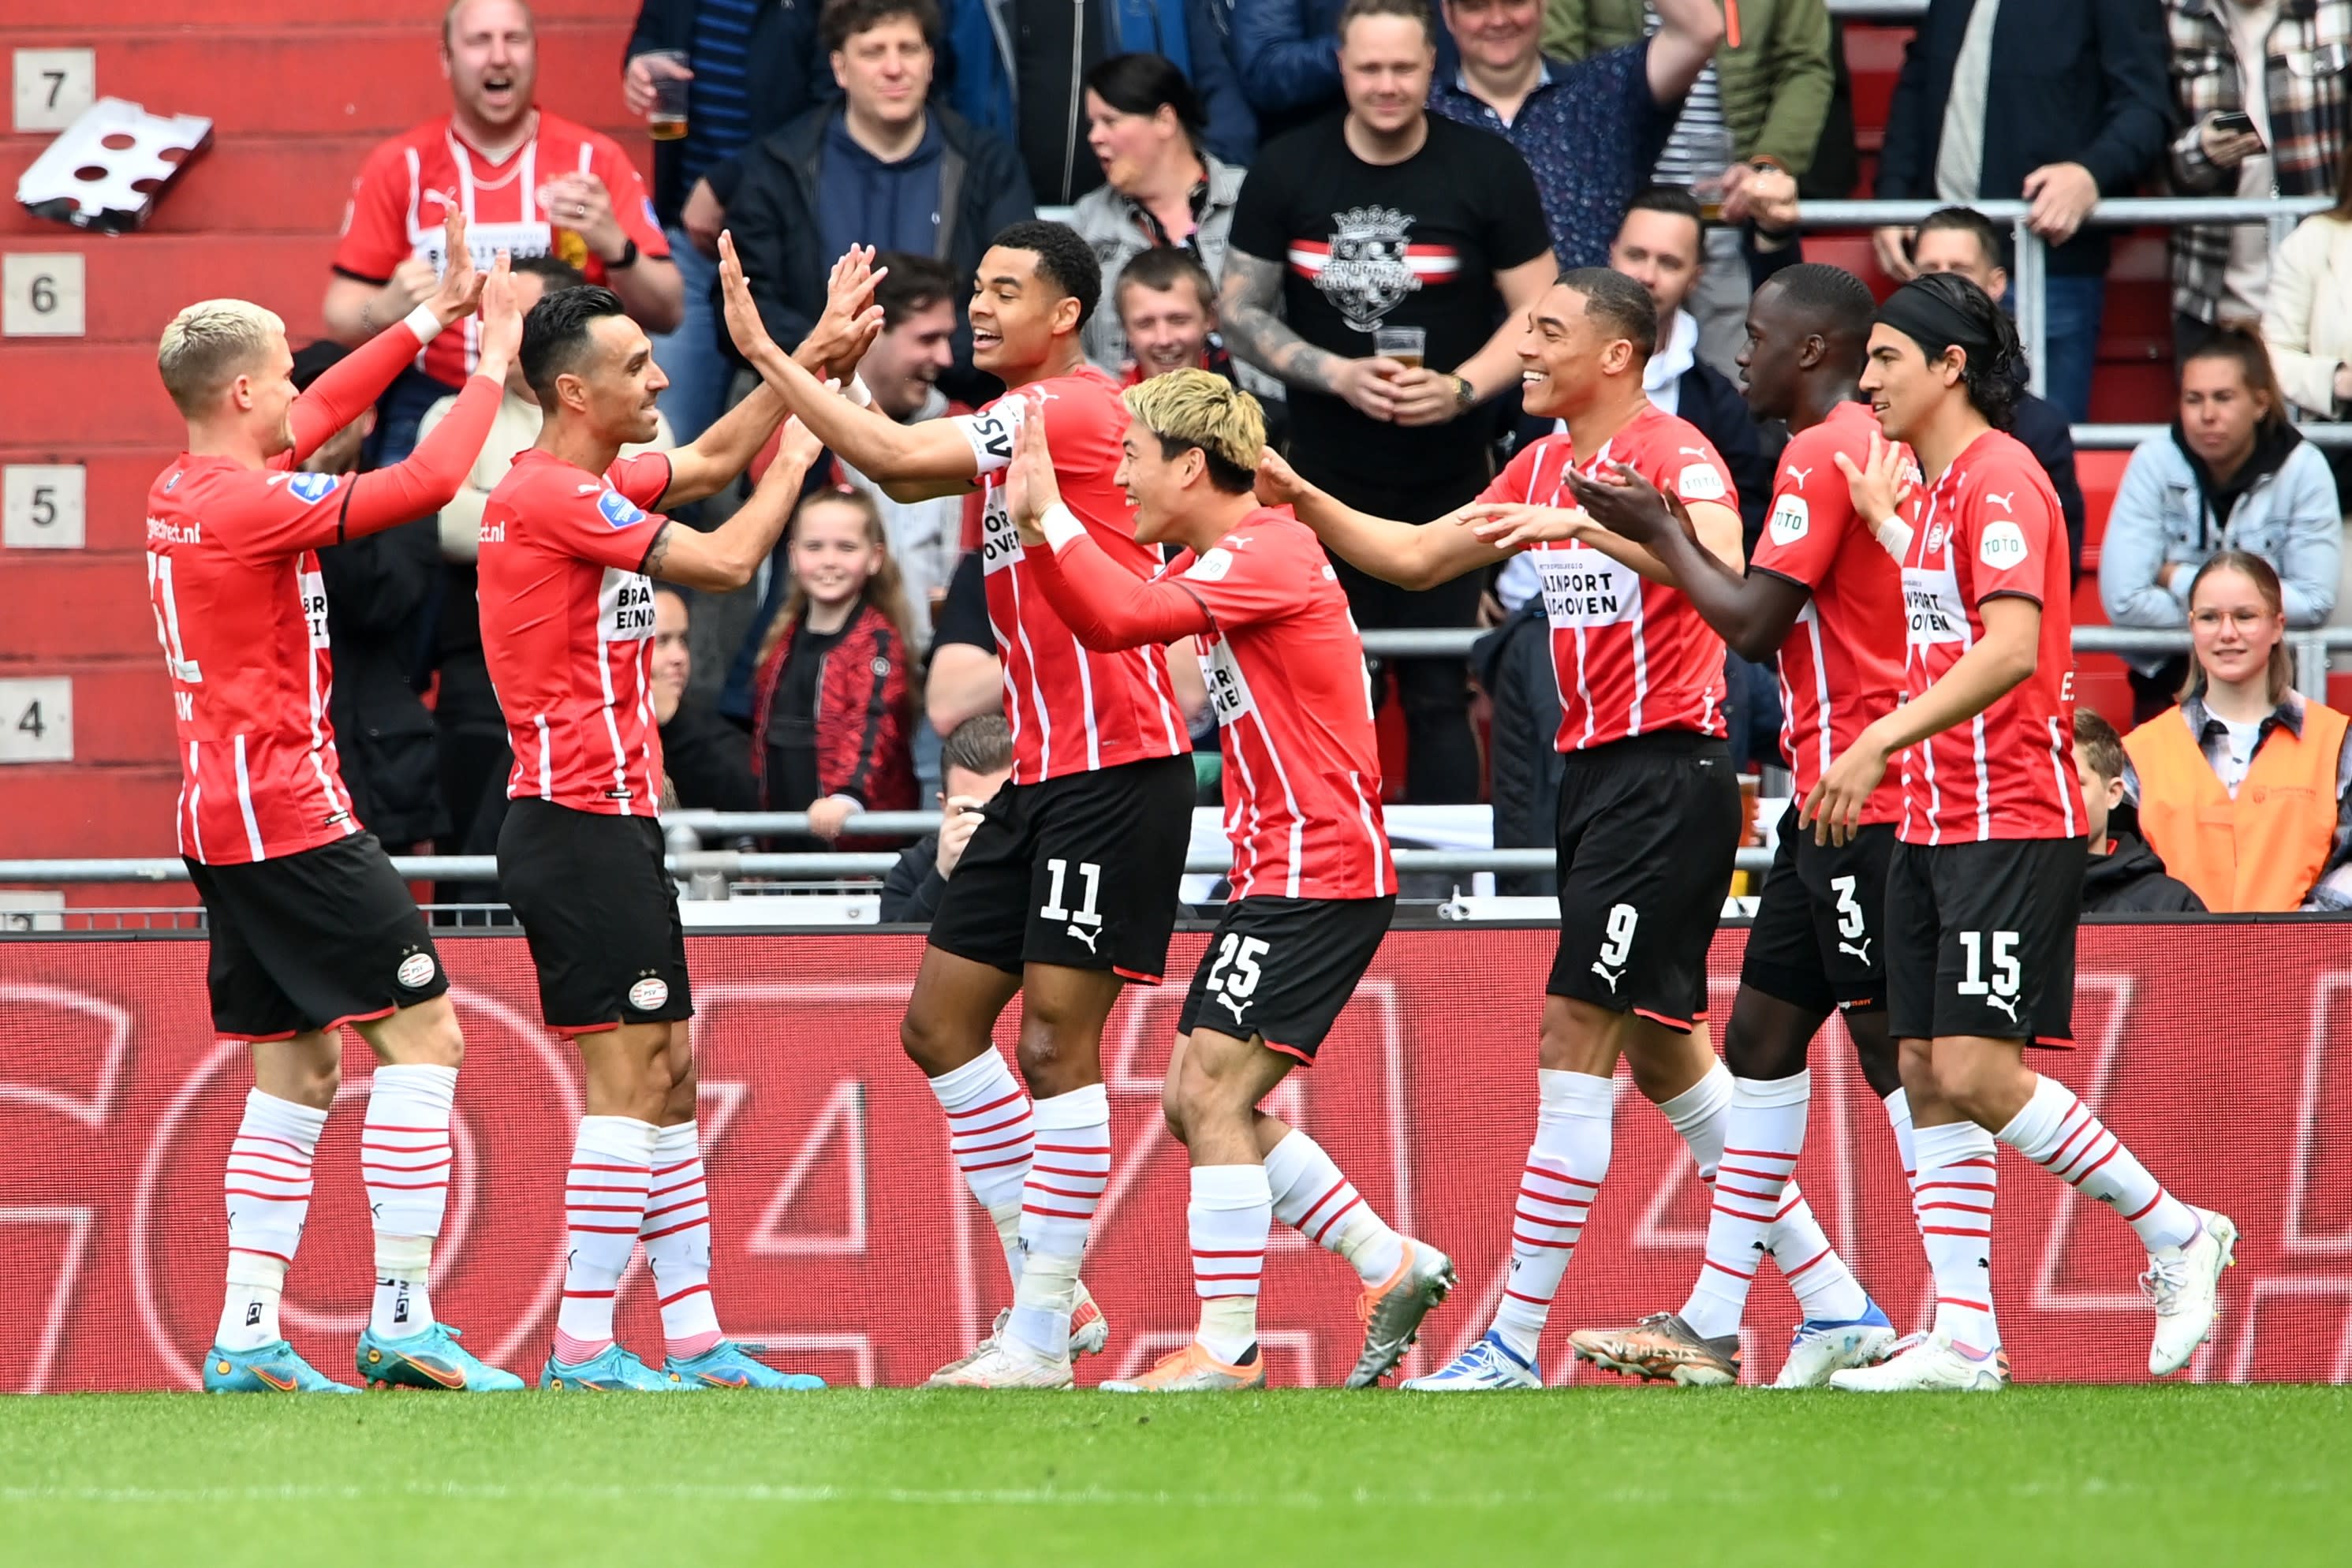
471, 734
973, 765
378, 592
1406, 439
834, 702
1161, 190
2121, 875
1963, 240
2280, 67
751, 68
706, 763
2231, 475
1167, 310
882, 167
2056, 102
1591, 131
1024, 70
2307, 325
528, 182
1759, 104
2245, 788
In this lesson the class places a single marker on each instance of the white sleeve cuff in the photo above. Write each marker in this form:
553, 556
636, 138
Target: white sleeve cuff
858, 393
1060, 526
1895, 535
423, 322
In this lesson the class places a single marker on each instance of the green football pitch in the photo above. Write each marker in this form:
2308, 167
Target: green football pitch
2079, 1476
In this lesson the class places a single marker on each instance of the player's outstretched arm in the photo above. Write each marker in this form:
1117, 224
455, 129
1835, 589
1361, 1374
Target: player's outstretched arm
727, 557
1106, 608
2003, 659
351, 386
1753, 613
1410, 556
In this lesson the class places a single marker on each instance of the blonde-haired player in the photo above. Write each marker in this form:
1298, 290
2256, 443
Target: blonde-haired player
1313, 882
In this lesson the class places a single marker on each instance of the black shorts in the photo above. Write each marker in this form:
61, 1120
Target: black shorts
600, 913
1820, 935
313, 941
1981, 939
1079, 871
1648, 828
1283, 968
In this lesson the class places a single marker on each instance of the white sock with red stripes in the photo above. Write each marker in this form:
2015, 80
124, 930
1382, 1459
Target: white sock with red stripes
1312, 1197
1954, 1199
2058, 1132
1564, 1171
405, 1159
1231, 1212
603, 1207
1898, 1117
266, 1185
675, 1233
1764, 1129
1059, 1199
992, 1135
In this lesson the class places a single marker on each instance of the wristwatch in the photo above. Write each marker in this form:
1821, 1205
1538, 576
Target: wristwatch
1465, 396
628, 256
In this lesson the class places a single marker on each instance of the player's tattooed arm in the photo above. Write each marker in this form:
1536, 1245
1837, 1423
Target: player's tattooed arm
729, 555
657, 552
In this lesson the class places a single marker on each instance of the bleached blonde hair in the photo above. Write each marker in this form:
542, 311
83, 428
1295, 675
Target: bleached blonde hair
208, 344
1200, 408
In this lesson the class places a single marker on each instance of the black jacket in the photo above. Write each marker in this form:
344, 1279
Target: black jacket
707, 760
911, 891
773, 214
2073, 81
378, 590
2128, 879
786, 74
2041, 426
1708, 400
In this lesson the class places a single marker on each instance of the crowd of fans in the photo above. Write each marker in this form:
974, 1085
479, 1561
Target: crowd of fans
1343, 207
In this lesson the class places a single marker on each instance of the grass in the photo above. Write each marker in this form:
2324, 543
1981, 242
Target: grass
2081, 1476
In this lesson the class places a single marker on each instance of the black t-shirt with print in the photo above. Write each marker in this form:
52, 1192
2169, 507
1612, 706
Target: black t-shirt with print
1363, 246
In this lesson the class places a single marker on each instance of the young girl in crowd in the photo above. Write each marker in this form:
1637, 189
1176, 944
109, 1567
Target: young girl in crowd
832, 699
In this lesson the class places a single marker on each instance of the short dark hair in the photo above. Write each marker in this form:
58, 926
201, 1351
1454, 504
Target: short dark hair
1145, 84
1674, 199
916, 283
1412, 10
1832, 302
312, 360
2101, 747
1968, 220
556, 330
558, 273
1164, 267
1617, 302
981, 745
1063, 260
842, 20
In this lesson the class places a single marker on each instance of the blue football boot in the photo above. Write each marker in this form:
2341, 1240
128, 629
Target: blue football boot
433, 1359
272, 1369
730, 1366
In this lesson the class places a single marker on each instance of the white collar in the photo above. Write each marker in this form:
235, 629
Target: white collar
1674, 357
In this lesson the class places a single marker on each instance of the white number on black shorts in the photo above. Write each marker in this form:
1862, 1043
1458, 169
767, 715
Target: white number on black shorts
1085, 914
2002, 990
1849, 907
1610, 965
1242, 953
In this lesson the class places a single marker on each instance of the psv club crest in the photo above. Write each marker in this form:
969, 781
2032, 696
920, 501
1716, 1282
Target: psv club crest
1367, 274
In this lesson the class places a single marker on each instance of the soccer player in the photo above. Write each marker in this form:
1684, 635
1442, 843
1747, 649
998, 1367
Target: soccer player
311, 927
571, 542
1824, 593
1649, 812
1068, 890
1313, 881
1985, 881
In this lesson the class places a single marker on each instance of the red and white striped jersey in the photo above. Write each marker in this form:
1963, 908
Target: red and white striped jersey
1285, 670
568, 629
1632, 655
1071, 710
1991, 526
1842, 667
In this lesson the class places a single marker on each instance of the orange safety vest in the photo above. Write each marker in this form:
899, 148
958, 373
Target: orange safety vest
2265, 848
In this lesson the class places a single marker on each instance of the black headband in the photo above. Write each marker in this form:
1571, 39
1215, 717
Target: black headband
1927, 319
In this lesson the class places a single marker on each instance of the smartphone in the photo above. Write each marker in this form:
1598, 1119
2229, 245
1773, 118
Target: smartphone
2237, 125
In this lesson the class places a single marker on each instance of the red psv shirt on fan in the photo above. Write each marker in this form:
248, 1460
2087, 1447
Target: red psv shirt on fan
1633, 656
1071, 710
568, 629
1990, 527
1842, 667
412, 182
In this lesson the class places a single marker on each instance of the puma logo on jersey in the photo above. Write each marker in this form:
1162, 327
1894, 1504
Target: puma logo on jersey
1861, 954
1606, 974
590, 490
1086, 934
1799, 475
1692, 451
2001, 500
2008, 1005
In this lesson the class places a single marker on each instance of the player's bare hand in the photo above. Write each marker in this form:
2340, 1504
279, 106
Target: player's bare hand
1423, 396
1030, 489
579, 202
460, 287
1515, 525
702, 217
501, 319
1368, 385
1881, 485
638, 79
957, 825
1893, 249
1624, 503
850, 320
1278, 483
796, 447
743, 322
827, 817
1833, 809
